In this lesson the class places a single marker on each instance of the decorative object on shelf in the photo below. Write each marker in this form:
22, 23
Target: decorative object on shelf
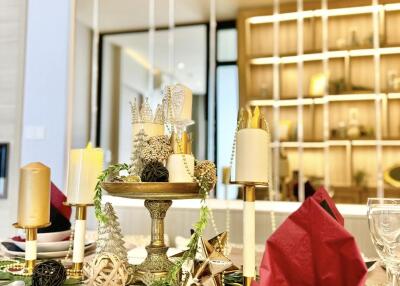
252, 168
207, 172
318, 84
393, 81
155, 172
285, 127
139, 142
110, 239
49, 273
353, 127
157, 148
392, 176
106, 269
359, 178
353, 42
337, 86
33, 207
180, 164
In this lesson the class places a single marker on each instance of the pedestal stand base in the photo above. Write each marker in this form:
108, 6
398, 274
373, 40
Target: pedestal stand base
156, 263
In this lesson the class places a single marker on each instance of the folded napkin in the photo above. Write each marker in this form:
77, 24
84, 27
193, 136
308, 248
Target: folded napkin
59, 213
312, 247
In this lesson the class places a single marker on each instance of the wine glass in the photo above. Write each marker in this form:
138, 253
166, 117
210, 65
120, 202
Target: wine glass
384, 227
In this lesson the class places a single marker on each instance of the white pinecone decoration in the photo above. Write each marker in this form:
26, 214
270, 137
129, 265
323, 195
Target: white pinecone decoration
110, 238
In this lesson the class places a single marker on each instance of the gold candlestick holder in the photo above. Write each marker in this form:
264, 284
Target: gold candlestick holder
249, 197
30, 246
78, 251
158, 198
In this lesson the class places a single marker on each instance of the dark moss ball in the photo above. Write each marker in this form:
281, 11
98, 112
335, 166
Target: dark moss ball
154, 172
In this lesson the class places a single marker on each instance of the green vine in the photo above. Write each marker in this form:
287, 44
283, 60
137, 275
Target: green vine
111, 170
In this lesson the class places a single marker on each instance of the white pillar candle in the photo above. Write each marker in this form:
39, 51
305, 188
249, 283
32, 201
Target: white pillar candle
79, 241
249, 239
179, 172
252, 151
85, 165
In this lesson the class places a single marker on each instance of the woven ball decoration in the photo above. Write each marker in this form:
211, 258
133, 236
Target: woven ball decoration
106, 270
157, 148
49, 273
155, 172
206, 172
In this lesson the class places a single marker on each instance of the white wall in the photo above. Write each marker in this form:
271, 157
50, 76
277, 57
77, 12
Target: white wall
12, 39
81, 101
46, 71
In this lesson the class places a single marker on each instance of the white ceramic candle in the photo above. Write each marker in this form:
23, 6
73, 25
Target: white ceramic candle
252, 152
178, 173
85, 165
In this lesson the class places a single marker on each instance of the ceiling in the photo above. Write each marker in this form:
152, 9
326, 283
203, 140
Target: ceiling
118, 15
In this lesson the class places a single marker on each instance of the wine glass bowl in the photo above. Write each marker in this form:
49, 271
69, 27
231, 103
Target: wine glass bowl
384, 227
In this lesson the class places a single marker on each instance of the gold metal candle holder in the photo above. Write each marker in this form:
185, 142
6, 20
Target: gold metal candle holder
249, 196
31, 238
76, 270
158, 198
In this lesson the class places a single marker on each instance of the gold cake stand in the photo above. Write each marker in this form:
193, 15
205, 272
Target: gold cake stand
158, 198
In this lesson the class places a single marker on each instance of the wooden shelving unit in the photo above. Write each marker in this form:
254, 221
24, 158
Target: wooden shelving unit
354, 46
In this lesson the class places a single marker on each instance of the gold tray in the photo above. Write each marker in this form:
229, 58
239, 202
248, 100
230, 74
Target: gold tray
153, 191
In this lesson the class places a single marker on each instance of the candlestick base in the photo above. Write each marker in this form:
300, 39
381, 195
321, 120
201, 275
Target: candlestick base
31, 246
247, 280
76, 271
157, 261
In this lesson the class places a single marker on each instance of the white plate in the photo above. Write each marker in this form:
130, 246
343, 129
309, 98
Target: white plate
46, 246
46, 255
48, 236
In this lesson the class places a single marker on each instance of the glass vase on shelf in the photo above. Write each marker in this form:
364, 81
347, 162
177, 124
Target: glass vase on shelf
384, 227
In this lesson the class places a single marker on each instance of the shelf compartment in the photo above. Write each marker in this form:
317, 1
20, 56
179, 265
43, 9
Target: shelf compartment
261, 39
390, 73
261, 85
362, 73
340, 114
350, 31
392, 32
289, 78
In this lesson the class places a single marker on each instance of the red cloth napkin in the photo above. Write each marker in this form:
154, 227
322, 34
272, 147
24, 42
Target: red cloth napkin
312, 248
57, 200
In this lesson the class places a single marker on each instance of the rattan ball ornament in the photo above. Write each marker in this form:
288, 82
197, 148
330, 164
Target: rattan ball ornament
205, 171
49, 273
155, 172
106, 269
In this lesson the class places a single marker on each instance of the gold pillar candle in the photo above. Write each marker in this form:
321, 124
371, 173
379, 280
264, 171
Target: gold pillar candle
34, 196
85, 166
